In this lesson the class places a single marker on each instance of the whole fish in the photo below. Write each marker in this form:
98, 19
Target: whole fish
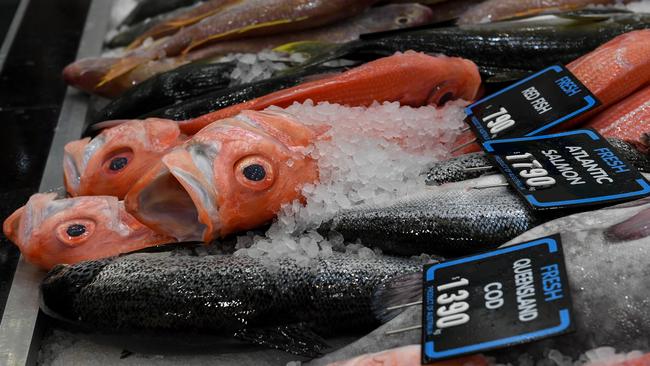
167, 89
372, 20
598, 254
49, 231
287, 307
233, 175
112, 162
407, 356
452, 219
232, 19
220, 99
150, 8
628, 119
411, 78
467, 166
504, 51
392, 16
627, 61
497, 10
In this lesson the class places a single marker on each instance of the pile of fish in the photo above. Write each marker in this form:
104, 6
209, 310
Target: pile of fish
184, 154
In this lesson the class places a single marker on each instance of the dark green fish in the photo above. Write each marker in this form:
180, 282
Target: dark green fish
182, 99
503, 51
287, 307
469, 166
168, 88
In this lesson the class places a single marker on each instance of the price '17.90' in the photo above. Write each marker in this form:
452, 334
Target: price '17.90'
531, 170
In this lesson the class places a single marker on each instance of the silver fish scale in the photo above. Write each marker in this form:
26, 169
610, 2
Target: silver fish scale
454, 169
220, 294
444, 222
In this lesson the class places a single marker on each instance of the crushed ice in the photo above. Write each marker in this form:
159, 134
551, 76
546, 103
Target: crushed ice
370, 155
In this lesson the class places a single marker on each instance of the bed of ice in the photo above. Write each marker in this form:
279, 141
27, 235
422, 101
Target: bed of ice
370, 155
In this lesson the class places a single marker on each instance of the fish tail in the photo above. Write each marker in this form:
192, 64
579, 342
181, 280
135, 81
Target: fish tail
399, 291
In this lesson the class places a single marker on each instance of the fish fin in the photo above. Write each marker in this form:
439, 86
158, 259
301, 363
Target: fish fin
310, 48
398, 291
248, 28
171, 26
592, 15
297, 339
123, 66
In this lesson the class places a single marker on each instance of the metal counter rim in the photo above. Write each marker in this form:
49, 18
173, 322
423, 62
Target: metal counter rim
20, 324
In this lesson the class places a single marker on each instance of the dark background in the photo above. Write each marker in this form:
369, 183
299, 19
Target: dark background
31, 94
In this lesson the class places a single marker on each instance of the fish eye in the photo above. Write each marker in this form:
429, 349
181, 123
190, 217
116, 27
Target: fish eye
118, 163
255, 172
402, 20
118, 160
75, 232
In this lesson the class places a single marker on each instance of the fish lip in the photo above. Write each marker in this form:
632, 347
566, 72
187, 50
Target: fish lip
177, 182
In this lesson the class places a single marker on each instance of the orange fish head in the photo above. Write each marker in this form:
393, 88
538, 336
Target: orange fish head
233, 175
51, 231
112, 162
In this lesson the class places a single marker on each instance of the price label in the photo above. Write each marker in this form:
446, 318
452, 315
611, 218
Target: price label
531, 106
508, 296
568, 169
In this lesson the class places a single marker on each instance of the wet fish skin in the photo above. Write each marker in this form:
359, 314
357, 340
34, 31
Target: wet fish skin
516, 48
220, 99
167, 89
627, 119
608, 282
128, 33
224, 295
455, 169
150, 8
496, 10
411, 78
450, 220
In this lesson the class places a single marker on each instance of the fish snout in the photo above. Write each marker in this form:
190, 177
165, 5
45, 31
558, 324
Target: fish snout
11, 227
72, 164
177, 198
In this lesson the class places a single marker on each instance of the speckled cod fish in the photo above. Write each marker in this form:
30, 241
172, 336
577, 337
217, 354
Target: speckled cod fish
288, 307
606, 253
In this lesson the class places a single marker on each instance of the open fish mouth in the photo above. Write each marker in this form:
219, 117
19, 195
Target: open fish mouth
177, 198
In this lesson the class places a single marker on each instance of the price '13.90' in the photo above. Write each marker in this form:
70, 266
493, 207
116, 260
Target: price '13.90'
452, 308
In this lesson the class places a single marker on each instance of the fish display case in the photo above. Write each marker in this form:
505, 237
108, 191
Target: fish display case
60, 114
